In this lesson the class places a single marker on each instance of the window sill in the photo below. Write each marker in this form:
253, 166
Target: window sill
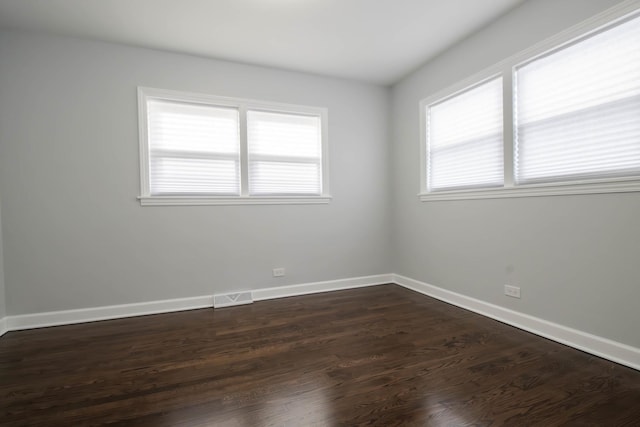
539, 190
237, 200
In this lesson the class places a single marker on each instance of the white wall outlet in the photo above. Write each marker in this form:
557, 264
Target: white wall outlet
512, 291
278, 272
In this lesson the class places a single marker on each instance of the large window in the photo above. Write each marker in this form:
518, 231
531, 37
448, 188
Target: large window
199, 149
571, 119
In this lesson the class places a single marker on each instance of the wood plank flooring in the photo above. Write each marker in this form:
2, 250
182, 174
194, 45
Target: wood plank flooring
379, 356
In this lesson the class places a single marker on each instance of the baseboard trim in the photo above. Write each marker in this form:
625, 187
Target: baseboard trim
317, 287
94, 314
3, 326
68, 317
608, 349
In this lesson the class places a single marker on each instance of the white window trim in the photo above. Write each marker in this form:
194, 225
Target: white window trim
506, 69
146, 199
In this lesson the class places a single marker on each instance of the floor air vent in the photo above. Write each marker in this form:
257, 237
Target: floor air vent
228, 300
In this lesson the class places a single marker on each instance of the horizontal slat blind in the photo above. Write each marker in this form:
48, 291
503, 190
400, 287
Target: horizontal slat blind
193, 149
285, 153
465, 144
578, 110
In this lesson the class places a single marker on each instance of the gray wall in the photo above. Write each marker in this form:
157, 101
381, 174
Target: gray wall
575, 257
75, 235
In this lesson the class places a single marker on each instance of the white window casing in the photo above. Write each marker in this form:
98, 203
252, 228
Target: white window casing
571, 106
199, 149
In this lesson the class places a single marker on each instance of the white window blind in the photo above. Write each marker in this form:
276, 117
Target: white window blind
578, 110
194, 149
200, 149
285, 153
464, 142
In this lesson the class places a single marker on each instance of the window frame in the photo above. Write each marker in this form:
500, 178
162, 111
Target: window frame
507, 69
243, 105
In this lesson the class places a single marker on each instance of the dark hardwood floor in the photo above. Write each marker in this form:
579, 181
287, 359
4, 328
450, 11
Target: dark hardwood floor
381, 356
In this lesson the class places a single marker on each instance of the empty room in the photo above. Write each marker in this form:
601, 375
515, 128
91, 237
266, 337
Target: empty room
295, 213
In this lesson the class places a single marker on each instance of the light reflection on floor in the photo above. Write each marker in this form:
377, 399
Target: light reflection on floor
439, 414
309, 406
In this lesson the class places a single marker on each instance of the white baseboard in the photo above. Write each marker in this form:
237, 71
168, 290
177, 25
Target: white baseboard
317, 287
617, 352
3, 326
68, 317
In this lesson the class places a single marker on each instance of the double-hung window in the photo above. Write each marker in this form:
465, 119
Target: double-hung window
285, 153
193, 149
464, 139
200, 149
578, 109
571, 109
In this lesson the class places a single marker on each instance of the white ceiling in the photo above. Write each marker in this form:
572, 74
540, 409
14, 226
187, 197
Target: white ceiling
378, 41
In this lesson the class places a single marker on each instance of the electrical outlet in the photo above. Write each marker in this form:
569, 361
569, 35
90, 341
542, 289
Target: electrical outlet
278, 272
512, 291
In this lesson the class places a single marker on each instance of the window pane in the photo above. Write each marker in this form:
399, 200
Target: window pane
285, 153
193, 148
465, 147
577, 110
284, 177
193, 176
